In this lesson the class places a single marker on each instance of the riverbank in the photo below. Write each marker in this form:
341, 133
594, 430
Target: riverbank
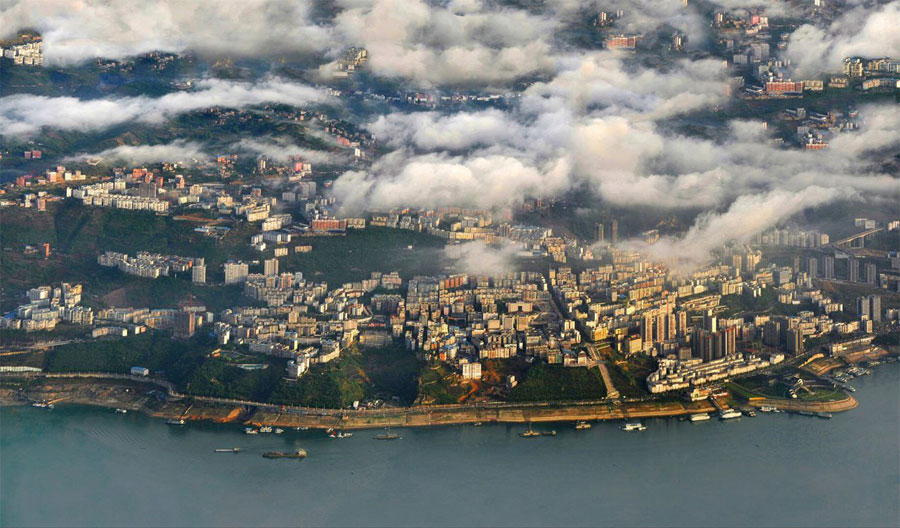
149, 398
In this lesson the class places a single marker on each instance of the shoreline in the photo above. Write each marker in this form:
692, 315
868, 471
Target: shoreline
133, 395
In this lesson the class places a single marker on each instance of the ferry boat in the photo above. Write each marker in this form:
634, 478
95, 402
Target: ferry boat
634, 426
250, 431
300, 453
229, 450
175, 421
579, 426
730, 413
265, 429
699, 417
122, 411
388, 435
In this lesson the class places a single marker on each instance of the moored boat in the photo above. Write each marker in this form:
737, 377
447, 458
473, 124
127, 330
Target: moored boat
175, 421
699, 417
229, 450
388, 435
634, 426
729, 414
579, 426
121, 411
300, 453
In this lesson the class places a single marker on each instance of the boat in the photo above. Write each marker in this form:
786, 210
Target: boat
303, 428
750, 412
477, 424
175, 421
250, 431
229, 450
300, 453
529, 433
699, 417
849, 388
634, 426
806, 413
579, 426
42, 405
824, 415
122, 411
548, 433
278, 430
730, 413
388, 435
339, 434
766, 408
265, 429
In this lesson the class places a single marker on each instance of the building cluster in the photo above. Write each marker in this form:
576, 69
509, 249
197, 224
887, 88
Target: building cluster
48, 306
349, 61
144, 264
111, 194
27, 53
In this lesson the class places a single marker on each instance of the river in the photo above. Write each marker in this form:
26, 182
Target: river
81, 466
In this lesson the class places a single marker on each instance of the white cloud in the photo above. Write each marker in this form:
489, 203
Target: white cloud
178, 151
79, 30
747, 216
478, 258
27, 114
861, 31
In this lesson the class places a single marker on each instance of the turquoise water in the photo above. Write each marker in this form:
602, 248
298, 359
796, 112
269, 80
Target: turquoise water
77, 466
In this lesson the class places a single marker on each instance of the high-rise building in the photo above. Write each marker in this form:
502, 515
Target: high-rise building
812, 265
828, 267
796, 263
271, 266
871, 273
869, 307
862, 307
875, 308
794, 340
598, 233
184, 324
614, 232
236, 272
853, 270
198, 274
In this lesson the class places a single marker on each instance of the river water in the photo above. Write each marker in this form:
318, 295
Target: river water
75, 466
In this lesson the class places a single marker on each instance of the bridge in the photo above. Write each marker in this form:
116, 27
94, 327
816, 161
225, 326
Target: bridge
859, 236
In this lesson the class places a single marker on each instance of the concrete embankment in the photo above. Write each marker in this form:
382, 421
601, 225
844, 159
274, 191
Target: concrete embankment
133, 395
796, 405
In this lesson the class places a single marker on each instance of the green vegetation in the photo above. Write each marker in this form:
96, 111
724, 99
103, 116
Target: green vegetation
438, 385
385, 373
215, 377
626, 381
154, 350
555, 382
353, 257
886, 340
